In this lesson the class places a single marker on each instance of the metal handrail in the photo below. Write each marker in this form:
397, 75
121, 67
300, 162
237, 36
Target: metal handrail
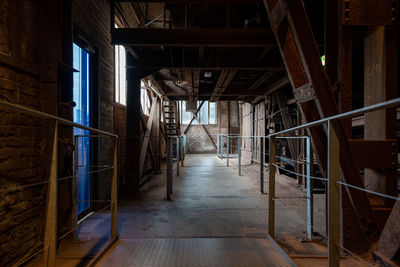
381, 105
44, 115
50, 236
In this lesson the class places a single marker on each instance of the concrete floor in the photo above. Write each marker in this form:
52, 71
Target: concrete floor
210, 201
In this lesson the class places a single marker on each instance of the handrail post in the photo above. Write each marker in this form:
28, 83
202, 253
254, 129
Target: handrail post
50, 235
114, 193
169, 167
218, 145
240, 154
227, 151
181, 140
177, 156
75, 188
261, 165
333, 196
309, 190
271, 195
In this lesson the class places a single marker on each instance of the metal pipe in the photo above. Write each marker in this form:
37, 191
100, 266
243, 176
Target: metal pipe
309, 192
240, 154
261, 165
227, 151
177, 156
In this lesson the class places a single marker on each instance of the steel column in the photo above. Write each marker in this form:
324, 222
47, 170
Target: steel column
177, 156
169, 167
271, 195
227, 151
240, 154
309, 190
261, 165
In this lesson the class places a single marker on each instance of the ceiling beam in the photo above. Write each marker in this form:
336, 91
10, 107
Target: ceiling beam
260, 81
189, 79
224, 37
223, 81
216, 2
284, 81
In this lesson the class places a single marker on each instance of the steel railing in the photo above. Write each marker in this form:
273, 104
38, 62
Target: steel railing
51, 239
332, 179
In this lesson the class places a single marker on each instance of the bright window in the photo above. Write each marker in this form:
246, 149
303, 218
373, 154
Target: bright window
144, 99
207, 113
120, 74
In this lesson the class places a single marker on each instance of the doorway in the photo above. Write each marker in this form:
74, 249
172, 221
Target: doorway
82, 114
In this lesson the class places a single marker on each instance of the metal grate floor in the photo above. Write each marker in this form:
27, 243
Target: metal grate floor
197, 252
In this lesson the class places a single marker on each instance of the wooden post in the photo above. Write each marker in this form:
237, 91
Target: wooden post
333, 196
114, 193
271, 195
50, 235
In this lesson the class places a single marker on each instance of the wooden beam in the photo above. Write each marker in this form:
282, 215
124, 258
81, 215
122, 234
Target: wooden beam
375, 154
284, 81
205, 129
143, 148
189, 79
302, 60
192, 37
223, 81
193, 117
216, 2
260, 81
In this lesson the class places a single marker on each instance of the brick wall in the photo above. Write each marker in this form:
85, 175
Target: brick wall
23, 139
197, 139
30, 47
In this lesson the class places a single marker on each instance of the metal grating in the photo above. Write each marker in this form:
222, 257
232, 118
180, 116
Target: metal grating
197, 252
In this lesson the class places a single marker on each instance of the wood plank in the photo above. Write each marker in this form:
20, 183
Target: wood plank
143, 148
375, 154
367, 12
333, 196
389, 241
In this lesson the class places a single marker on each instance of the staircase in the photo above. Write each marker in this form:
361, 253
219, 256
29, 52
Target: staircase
171, 122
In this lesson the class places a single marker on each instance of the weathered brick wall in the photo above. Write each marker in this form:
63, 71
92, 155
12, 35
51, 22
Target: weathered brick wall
197, 139
92, 18
23, 139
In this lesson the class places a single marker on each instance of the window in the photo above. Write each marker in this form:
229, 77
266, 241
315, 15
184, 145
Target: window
207, 113
120, 74
144, 99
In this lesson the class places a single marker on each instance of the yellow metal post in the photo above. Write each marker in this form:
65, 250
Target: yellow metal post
50, 235
114, 193
333, 196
